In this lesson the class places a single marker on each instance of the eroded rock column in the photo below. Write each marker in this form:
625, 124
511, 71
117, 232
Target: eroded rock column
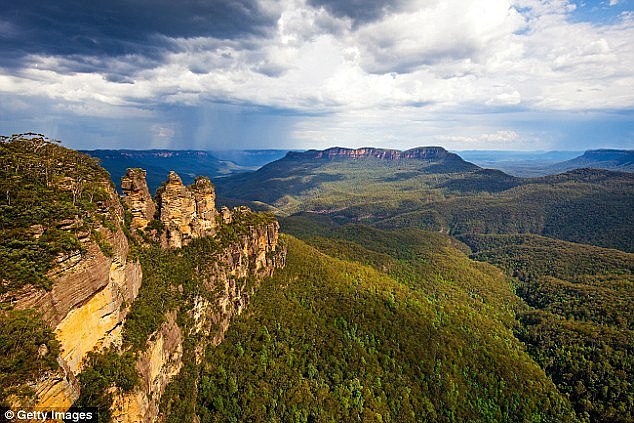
137, 198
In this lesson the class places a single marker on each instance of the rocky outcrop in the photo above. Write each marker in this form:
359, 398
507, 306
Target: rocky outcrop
94, 287
206, 213
137, 198
90, 297
234, 275
230, 279
186, 212
226, 215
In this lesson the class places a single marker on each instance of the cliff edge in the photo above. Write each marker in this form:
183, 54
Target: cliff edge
98, 285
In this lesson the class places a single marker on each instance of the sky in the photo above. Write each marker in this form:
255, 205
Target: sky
213, 75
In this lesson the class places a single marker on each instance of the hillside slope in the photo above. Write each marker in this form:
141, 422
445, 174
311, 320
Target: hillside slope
432, 189
328, 339
581, 330
575, 317
584, 205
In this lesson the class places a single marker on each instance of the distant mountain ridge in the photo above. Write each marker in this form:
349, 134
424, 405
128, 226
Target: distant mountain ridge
300, 176
250, 158
533, 164
433, 158
610, 159
426, 153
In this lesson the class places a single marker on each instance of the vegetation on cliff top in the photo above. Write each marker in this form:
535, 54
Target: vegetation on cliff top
48, 197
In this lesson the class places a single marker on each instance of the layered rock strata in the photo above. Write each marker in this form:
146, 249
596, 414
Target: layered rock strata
234, 276
90, 297
94, 288
137, 198
186, 212
424, 153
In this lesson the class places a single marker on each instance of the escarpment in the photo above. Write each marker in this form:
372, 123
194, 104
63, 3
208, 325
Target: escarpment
100, 280
423, 153
91, 280
227, 270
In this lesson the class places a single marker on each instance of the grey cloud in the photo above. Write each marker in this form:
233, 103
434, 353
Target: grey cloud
205, 55
360, 11
198, 69
118, 78
114, 69
272, 70
116, 28
419, 104
385, 59
88, 64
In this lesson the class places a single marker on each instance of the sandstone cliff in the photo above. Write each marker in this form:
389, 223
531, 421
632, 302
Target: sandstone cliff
157, 365
228, 282
423, 153
96, 281
137, 198
88, 301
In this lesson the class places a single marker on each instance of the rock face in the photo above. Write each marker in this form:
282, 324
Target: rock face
255, 255
161, 361
205, 199
137, 198
233, 277
226, 215
186, 212
90, 297
94, 288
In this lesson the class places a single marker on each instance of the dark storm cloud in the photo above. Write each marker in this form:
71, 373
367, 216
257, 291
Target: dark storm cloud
87, 28
360, 11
